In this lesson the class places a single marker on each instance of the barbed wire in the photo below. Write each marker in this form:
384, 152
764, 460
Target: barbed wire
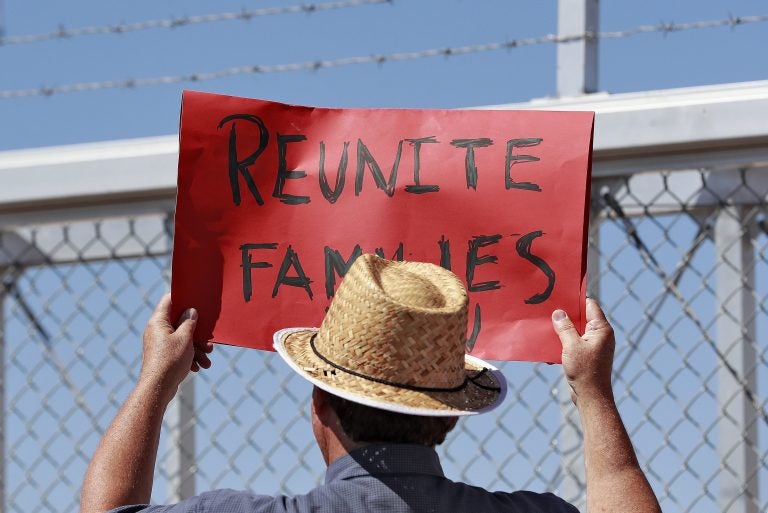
63, 32
315, 65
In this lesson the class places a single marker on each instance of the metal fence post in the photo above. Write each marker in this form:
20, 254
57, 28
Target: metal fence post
180, 417
180, 460
577, 75
3, 295
577, 59
570, 437
2, 18
737, 380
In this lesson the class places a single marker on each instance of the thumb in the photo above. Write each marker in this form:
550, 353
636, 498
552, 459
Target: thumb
187, 322
564, 328
161, 317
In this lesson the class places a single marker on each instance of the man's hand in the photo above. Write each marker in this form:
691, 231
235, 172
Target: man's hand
121, 470
615, 481
588, 358
170, 353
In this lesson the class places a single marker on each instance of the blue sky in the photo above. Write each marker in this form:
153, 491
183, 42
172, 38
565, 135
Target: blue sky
650, 61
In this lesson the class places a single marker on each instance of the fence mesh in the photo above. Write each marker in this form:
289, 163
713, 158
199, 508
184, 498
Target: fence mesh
683, 275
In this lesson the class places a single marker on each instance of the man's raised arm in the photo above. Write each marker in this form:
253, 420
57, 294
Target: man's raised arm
121, 470
615, 482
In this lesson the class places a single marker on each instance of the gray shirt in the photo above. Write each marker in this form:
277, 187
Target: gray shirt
376, 478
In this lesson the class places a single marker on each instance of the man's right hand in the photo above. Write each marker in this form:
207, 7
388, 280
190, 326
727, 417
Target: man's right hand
588, 358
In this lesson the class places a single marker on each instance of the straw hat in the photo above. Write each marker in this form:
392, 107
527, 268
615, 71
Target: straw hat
394, 339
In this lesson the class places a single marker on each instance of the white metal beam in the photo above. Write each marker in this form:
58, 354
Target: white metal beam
91, 179
689, 128
694, 127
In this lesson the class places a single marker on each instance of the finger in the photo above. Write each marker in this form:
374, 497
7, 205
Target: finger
204, 345
187, 323
163, 309
595, 317
194, 367
202, 360
564, 328
594, 312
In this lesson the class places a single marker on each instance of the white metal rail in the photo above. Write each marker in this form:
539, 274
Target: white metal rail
710, 127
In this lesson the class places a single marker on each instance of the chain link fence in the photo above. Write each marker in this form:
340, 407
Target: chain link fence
681, 261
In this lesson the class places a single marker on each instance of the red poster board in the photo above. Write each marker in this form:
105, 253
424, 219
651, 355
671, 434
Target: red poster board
275, 201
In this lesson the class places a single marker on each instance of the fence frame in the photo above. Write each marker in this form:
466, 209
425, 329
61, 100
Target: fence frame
711, 128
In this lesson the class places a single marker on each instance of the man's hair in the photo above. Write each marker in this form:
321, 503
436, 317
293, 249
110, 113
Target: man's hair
364, 424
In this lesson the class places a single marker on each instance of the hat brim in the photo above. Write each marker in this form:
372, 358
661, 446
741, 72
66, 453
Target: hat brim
292, 344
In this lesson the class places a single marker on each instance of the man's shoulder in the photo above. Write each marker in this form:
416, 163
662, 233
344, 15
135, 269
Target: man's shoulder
409, 493
458, 492
362, 495
223, 500
534, 501
335, 497
226, 500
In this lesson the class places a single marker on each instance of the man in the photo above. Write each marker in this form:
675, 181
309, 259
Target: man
391, 378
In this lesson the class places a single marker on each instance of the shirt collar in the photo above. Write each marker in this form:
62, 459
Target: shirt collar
379, 459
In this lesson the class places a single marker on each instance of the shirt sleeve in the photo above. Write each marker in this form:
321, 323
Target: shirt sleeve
550, 502
190, 505
217, 501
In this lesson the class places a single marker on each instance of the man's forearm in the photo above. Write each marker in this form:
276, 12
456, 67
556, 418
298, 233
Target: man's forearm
615, 482
122, 467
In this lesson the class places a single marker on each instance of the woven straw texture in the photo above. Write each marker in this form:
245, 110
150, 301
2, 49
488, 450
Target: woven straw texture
402, 322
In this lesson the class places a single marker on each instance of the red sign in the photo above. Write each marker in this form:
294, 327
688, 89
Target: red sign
276, 201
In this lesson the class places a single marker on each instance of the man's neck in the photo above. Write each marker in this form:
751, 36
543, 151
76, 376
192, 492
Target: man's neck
337, 447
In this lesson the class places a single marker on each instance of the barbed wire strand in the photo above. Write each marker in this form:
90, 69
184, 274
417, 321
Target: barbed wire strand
63, 32
315, 65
